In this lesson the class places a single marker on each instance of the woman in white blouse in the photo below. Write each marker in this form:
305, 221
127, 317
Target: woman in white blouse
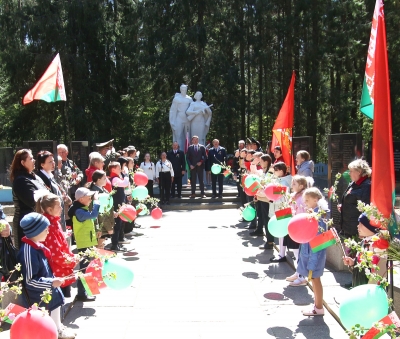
149, 168
164, 176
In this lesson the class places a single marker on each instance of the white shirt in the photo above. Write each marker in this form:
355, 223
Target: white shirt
149, 170
164, 166
48, 175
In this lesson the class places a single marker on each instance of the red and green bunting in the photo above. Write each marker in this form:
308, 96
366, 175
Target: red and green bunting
392, 320
322, 241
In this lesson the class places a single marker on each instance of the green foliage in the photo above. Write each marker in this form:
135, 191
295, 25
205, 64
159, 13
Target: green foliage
124, 60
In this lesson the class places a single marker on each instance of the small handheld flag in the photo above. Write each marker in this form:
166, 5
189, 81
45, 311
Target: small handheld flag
322, 241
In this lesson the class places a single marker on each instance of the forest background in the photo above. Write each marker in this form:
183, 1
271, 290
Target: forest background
123, 61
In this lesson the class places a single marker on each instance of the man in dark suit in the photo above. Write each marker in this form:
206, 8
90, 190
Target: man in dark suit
177, 159
217, 155
196, 157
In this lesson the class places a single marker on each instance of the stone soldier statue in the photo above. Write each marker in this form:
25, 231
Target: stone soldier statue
177, 116
199, 115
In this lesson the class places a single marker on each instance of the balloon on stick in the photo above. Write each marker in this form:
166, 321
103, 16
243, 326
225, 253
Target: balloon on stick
33, 324
216, 169
278, 228
303, 228
140, 193
156, 213
117, 274
106, 202
127, 213
274, 192
140, 179
249, 213
364, 305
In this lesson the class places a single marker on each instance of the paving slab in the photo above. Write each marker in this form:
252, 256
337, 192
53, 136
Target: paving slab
199, 275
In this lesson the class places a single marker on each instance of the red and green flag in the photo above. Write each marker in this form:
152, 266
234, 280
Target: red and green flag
90, 283
368, 90
382, 184
50, 86
322, 241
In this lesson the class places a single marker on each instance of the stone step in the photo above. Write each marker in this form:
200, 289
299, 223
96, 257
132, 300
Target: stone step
8, 209
201, 206
187, 200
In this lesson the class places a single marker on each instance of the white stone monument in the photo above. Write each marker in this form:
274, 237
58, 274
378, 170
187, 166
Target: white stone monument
177, 117
199, 115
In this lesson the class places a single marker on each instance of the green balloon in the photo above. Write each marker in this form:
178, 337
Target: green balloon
216, 169
278, 227
346, 176
250, 180
364, 305
143, 207
140, 193
106, 202
249, 213
119, 267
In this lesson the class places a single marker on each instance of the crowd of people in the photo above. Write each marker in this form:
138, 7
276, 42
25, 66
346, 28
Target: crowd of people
48, 203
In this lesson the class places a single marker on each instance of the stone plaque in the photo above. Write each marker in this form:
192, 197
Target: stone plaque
302, 144
79, 153
6, 158
43, 145
342, 150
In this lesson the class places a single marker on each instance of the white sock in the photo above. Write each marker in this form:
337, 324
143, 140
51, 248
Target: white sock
282, 249
296, 253
56, 316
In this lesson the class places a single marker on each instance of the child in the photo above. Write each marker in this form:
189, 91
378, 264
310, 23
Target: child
62, 261
34, 258
119, 183
299, 184
84, 230
366, 231
106, 220
280, 170
313, 264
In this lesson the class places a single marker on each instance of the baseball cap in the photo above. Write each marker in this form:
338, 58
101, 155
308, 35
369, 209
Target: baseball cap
83, 192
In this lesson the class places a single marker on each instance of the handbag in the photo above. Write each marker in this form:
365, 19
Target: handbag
8, 259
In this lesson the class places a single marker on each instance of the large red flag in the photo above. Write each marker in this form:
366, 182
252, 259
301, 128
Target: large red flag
282, 131
50, 86
383, 182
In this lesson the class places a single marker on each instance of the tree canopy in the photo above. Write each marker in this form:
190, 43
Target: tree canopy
123, 61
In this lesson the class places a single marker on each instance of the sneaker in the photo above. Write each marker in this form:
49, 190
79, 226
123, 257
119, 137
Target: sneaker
65, 333
135, 225
118, 249
124, 241
292, 277
300, 281
313, 311
278, 259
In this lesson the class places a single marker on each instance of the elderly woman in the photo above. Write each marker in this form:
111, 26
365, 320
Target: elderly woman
24, 184
358, 189
305, 166
45, 166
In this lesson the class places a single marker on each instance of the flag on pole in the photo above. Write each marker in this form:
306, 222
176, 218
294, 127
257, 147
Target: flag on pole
50, 86
282, 131
90, 284
382, 184
368, 90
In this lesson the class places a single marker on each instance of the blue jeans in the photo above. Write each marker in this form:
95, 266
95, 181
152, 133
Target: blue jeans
82, 266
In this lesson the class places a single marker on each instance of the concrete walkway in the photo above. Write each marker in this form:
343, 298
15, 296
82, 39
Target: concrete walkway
199, 275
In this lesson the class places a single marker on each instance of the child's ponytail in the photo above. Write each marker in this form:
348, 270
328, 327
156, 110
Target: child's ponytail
44, 200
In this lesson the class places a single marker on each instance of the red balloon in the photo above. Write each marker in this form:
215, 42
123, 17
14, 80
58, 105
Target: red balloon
127, 213
140, 179
95, 267
303, 228
33, 324
274, 192
249, 192
156, 213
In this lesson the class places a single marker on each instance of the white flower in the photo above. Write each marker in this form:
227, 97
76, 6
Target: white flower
367, 271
